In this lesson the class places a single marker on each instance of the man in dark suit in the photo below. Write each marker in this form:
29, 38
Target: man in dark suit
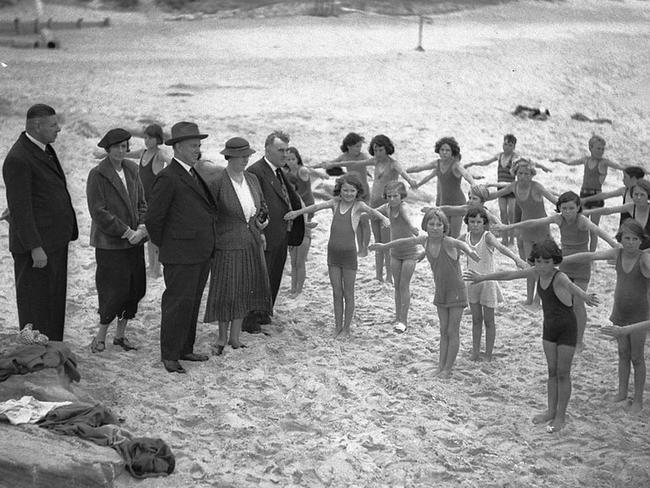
181, 220
280, 198
42, 223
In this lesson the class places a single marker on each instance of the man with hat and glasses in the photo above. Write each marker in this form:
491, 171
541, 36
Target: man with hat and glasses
181, 220
42, 223
280, 197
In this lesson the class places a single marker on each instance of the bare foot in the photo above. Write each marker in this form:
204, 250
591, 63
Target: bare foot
445, 374
337, 331
488, 358
362, 253
580, 346
635, 408
475, 357
556, 425
618, 397
541, 418
437, 373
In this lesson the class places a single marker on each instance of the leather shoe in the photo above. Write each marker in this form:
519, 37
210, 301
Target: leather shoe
173, 366
195, 357
124, 343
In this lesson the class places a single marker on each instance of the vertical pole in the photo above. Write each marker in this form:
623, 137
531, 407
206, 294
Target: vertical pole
420, 29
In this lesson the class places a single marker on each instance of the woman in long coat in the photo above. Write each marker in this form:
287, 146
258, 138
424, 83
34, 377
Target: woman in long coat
239, 280
117, 206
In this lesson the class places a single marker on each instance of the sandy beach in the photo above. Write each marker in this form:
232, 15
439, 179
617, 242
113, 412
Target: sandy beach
298, 408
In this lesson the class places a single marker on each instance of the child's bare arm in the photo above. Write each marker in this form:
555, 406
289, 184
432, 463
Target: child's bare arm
374, 213
582, 257
400, 169
311, 209
506, 190
574, 162
604, 196
600, 232
494, 242
462, 246
613, 165
547, 194
618, 331
628, 207
528, 224
377, 246
473, 276
453, 210
589, 298
422, 167
465, 174
644, 261
414, 230
430, 176
485, 162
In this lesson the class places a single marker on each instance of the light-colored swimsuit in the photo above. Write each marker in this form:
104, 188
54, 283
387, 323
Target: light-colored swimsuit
486, 293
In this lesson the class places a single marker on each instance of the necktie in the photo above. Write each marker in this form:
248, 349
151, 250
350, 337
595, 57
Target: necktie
278, 174
198, 181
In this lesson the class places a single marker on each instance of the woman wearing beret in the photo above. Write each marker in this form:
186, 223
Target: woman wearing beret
117, 206
238, 280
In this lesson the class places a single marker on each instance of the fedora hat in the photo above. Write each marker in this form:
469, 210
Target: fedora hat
237, 147
114, 136
184, 130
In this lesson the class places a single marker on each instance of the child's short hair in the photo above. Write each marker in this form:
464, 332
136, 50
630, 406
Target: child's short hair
546, 249
594, 139
634, 172
154, 130
510, 138
477, 212
437, 213
352, 180
568, 196
451, 142
350, 140
383, 141
521, 163
633, 227
481, 191
296, 153
644, 185
395, 186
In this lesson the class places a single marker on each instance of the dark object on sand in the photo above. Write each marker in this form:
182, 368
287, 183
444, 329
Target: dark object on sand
531, 113
335, 171
583, 118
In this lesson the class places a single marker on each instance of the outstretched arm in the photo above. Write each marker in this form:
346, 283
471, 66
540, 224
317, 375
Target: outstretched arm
583, 257
377, 246
494, 242
374, 213
547, 194
485, 162
628, 207
604, 196
422, 167
506, 190
465, 174
574, 162
618, 331
450, 210
400, 169
600, 232
589, 298
613, 165
543, 167
528, 224
428, 177
414, 230
463, 246
473, 276
311, 208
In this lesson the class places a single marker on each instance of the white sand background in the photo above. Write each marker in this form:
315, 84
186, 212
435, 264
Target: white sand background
298, 408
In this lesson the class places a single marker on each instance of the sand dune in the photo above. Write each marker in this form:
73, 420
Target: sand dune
297, 408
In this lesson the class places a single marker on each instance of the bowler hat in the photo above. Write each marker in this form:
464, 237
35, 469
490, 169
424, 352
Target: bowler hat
184, 130
114, 136
237, 147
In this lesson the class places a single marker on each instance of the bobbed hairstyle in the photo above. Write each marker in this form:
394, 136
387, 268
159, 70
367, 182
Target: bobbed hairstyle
154, 130
634, 172
477, 212
383, 141
523, 163
395, 186
546, 249
295, 152
438, 214
594, 139
644, 185
568, 196
40, 110
510, 138
451, 142
350, 140
352, 180
633, 227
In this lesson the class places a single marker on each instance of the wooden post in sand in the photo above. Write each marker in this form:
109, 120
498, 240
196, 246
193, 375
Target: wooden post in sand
420, 29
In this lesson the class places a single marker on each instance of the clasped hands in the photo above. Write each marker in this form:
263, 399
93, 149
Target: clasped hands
135, 236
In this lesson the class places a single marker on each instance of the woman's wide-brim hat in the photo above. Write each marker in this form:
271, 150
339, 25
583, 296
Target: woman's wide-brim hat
114, 136
182, 131
237, 147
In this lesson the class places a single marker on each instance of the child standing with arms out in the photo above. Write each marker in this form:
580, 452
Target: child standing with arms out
404, 257
348, 207
595, 172
483, 297
560, 328
443, 253
630, 305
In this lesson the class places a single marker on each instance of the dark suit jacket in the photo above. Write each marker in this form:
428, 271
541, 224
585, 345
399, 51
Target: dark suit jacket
40, 208
181, 217
233, 230
276, 231
114, 210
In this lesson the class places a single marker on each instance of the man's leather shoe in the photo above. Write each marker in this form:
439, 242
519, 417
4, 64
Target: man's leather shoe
173, 366
195, 357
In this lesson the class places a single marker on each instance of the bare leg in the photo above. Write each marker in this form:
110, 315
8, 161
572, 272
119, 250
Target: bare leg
490, 331
99, 341
530, 281
379, 255
363, 235
349, 277
512, 204
477, 329
581, 315
235, 330
223, 333
154, 264
455, 224
121, 328
336, 280
564, 359
550, 350
637, 341
443, 318
396, 268
301, 259
624, 361
385, 237
504, 216
293, 255
454, 316
408, 267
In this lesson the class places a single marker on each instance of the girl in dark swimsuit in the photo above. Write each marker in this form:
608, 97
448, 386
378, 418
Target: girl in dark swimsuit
560, 328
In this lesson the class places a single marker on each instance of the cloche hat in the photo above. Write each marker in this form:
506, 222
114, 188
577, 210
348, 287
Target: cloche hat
237, 147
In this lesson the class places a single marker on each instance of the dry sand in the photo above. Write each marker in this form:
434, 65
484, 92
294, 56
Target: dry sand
297, 408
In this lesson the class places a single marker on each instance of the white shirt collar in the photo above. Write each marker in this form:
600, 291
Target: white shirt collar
38, 143
271, 165
185, 166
